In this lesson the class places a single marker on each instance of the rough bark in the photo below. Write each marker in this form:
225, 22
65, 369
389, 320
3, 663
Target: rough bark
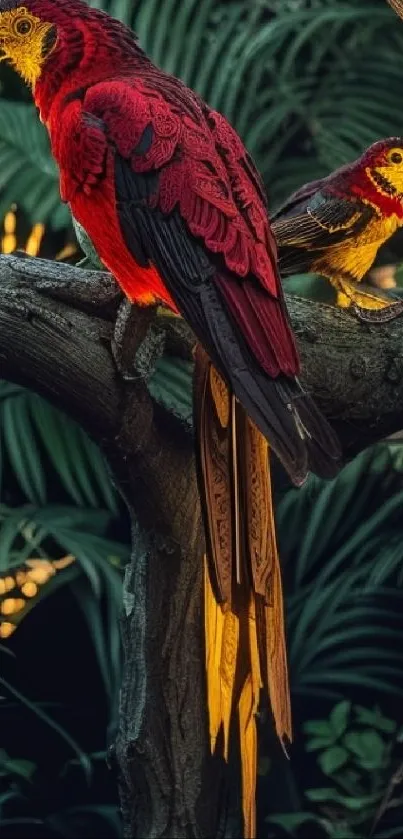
56, 328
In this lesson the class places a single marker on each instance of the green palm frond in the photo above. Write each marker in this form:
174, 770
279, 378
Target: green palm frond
121, 9
30, 429
28, 173
94, 572
341, 543
171, 386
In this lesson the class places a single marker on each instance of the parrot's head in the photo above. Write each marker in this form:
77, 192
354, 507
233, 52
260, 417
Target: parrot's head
383, 165
28, 35
35, 34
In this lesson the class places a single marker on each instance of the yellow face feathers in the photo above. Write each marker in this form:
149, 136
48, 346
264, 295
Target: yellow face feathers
389, 172
23, 42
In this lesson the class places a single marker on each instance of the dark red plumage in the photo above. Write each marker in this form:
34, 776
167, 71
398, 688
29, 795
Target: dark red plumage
177, 211
204, 172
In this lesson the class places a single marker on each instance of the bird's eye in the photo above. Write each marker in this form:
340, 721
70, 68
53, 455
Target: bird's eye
396, 157
23, 26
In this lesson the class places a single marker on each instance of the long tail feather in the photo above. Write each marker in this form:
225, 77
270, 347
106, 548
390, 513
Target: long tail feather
263, 560
213, 449
244, 622
235, 490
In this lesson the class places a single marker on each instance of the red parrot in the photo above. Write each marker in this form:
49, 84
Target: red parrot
173, 205
176, 210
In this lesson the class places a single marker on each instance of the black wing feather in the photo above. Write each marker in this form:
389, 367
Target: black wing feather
306, 227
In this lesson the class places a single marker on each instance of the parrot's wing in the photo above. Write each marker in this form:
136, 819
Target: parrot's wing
321, 220
299, 199
205, 172
191, 203
201, 290
315, 224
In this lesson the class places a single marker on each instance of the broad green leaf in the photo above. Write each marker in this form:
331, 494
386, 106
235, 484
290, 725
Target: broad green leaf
339, 717
330, 794
367, 747
291, 822
318, 743
374, 718
18, 767
333, 759
320, 728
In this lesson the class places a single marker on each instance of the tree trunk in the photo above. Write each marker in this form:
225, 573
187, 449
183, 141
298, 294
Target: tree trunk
56, 328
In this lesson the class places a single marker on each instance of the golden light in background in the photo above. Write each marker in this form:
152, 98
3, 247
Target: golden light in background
28, 581
29, 589
41, 570
66, 252
34, 241
7, 629
20, 578
6, 584
11, 605
9, 240
64, 562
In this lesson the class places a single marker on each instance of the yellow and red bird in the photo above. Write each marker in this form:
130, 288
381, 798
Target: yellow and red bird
336, 225
176, 210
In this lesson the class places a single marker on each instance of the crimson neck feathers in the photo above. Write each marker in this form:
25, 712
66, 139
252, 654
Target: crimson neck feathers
357, 180
91, 48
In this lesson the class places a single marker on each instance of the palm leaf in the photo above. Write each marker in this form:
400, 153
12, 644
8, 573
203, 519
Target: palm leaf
95, 577
27, 172
342, 545
31, 428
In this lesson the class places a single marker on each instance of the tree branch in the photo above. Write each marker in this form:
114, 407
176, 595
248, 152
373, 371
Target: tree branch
353, 369
56, 327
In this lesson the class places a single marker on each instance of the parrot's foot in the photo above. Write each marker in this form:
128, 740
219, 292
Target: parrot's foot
137, 341
368, 306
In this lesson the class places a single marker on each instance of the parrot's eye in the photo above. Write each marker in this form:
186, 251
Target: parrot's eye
396, 157
23, 26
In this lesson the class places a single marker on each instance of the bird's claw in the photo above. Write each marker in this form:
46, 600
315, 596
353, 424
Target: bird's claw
388, 313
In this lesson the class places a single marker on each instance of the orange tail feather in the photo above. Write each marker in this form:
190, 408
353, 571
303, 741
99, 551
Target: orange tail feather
244, 621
